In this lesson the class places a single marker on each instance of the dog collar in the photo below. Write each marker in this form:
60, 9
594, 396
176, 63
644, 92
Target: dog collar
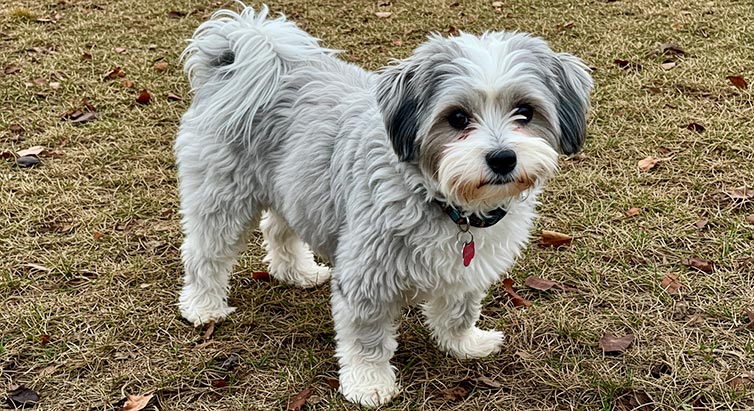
473, 220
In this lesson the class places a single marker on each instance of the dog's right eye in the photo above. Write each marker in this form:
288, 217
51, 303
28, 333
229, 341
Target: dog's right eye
458, 119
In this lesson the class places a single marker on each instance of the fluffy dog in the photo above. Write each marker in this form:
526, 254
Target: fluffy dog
417, 183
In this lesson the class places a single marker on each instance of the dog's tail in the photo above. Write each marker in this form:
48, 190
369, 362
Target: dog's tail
240, 59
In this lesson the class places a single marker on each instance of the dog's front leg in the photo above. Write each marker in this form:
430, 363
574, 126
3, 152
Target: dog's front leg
452, 320
365, 333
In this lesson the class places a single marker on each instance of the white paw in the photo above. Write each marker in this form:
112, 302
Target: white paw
474, 343
305, 277
369, 386
201, 309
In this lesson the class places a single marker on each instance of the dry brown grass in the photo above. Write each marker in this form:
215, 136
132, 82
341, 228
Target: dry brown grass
100, 218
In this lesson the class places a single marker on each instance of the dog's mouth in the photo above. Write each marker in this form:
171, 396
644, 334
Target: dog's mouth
497, 181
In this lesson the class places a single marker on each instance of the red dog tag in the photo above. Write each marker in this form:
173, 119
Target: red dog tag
468, 253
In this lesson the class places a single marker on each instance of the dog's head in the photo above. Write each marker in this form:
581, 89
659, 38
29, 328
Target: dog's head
485, 117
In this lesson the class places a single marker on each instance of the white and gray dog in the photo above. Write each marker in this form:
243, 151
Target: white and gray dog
417, 183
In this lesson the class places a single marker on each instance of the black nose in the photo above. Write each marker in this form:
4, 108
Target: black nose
502, 162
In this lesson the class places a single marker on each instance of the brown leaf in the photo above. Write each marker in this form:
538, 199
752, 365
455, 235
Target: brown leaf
210, 330
488, 382
176, 14
564, 26
31, 151
543, 285
260, 276
136, 402
86, 56
161, 66
115, 73
634, 400
173, 97
383, 14
695, 127
611, 343
12, 69
701, 223
16, 128
297, 401
750, 314
127, 83
701, 264
633, 212
516, 299
750, 218
554, 239
457, 393
22, 397
741, 193
676, 26
453, 31
333, 383
44, 339
650, 162
220, 383
144, 97
671, 284
738, 81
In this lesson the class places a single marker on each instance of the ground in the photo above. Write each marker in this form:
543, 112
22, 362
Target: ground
89, 238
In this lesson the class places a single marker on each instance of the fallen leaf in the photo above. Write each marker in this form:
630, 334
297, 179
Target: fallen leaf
668, 49
634, 400
383, 14
37, 267
676, 26
701, 264
176, 14
119, 50
543, 285
625, 64
27, 161
489, 382
161, 66
97, 235
84, 117
297, 401
54, 85
750, 314
144, 97
750, 218
741, 193
564, 26
16, 128
333, 383
554, 239
44, 339
650, 162
22, 397
31, 151
86, 56
260, 276
136, 402
454, 394
210, 330
701, 223
633, 212
173, 97
667, 64
115, 73
695, 127
127, 83
611, 343
452, 31
497, 4
12, 69
516, 299
671, 284
220, 383
738, 81
6, 154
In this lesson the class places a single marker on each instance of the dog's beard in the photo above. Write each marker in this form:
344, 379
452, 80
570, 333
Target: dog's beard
465, 179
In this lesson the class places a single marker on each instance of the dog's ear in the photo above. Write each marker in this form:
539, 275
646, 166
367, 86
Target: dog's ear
398, 98
574, 84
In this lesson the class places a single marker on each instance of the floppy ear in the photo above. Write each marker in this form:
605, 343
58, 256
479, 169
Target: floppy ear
574, 84
398, 99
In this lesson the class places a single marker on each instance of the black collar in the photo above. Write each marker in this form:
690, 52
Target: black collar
459, 217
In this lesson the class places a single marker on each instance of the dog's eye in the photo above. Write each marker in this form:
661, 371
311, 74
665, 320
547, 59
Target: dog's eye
458, 119
526, 111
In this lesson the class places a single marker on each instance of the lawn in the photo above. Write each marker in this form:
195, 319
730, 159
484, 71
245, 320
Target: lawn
89, 237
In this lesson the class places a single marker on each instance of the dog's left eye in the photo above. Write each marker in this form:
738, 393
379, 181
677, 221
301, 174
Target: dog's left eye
526, 111
458, 119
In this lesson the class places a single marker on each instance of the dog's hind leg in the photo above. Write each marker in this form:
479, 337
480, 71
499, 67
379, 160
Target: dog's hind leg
290, 260
218, 211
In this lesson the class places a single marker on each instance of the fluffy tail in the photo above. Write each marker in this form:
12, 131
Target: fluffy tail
240, 58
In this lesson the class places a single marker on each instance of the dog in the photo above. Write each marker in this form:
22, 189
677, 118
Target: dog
417, 183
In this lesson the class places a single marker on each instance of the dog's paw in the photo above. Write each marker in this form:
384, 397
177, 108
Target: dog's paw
367, 385
311, 276
200, 311
475, 343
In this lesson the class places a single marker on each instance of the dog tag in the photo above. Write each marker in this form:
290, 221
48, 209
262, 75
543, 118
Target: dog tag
468, 252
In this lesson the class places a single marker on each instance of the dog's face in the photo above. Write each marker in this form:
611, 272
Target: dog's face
485, 117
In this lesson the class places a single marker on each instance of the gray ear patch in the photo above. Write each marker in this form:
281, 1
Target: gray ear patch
574, 85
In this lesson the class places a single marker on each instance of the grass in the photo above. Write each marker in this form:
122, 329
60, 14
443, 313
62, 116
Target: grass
99, 219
